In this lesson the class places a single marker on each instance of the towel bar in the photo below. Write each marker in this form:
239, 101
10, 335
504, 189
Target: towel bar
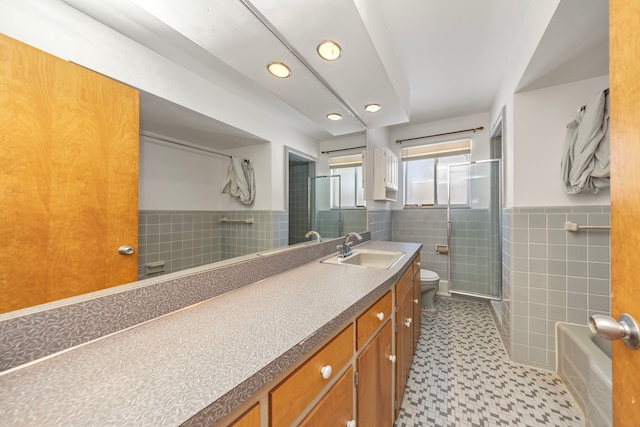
572, 226
245, 221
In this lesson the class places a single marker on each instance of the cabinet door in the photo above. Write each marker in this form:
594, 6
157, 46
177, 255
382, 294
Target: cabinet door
251, 418
294, 394
336, 407
404, 346
392, 170
417, 309
374, 392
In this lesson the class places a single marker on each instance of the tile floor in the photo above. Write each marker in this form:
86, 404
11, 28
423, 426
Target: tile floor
461, 377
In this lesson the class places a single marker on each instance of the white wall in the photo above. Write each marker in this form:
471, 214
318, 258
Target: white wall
540, 119
174, 178
479, 145
533, 28
535, 24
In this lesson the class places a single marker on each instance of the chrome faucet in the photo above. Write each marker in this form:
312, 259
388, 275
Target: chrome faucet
311, 233
345, 248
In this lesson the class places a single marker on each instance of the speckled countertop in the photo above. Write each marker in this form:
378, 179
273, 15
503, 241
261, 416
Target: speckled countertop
199, 360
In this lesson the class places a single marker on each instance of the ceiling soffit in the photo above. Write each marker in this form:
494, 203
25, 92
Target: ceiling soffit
234, 36
367, 72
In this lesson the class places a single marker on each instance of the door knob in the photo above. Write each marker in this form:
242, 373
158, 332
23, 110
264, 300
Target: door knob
126, 250
625, 327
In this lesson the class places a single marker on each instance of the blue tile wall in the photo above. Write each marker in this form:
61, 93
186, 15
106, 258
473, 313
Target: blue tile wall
551, 275
185, 239
426, 226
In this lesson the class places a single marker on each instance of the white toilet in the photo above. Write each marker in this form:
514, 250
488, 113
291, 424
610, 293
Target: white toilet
429, 282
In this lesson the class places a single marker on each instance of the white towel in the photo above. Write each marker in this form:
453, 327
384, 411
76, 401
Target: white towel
585, 164
240, 181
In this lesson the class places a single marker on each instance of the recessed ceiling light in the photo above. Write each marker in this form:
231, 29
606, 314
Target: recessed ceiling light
334, 116
372, 108
279, 69
329, 50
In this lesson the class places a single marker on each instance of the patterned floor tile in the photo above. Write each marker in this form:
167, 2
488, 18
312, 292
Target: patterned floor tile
461, 376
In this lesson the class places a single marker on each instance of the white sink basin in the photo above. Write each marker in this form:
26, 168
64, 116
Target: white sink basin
368, 258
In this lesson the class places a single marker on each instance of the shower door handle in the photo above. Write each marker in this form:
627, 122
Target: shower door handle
609, 328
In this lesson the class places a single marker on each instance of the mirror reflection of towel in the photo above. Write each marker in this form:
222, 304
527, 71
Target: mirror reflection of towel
585, 163
240, 181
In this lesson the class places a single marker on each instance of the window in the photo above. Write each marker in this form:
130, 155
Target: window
426, 169
351, 190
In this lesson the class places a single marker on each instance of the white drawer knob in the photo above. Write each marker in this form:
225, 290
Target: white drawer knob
351, 423
392, 358
326, 371
408, 322
380, 316
415, 301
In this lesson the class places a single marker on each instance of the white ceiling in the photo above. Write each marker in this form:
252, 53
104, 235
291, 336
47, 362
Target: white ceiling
421, 60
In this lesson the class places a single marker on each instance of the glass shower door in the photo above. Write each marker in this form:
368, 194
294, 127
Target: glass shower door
325, 208
474, 216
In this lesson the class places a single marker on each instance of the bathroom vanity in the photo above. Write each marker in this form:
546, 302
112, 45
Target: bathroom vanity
314, 345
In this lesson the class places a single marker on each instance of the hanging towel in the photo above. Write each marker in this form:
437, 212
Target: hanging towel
240, 181
585, 163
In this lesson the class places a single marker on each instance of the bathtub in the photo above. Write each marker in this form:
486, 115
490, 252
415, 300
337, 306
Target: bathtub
584, 364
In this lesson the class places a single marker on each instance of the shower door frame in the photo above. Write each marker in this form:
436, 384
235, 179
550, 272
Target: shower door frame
498, 297
310, 203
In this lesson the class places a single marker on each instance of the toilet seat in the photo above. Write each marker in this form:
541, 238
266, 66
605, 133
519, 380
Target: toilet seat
428, 275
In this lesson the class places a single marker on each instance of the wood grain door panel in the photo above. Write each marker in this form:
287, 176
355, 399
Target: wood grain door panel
336, 407
374, 389
624, 54
68, 178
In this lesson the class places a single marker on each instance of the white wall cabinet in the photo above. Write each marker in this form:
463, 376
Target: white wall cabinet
385, 175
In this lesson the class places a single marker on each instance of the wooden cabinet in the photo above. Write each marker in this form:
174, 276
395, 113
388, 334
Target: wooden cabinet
367, 323
362, 356
336, 407
375, 388
385, 174
404, 344
407, 327
251, 418
404, 284
417, 303
295, 393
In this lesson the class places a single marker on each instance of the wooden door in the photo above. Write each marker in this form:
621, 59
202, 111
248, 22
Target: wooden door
624, 57
417, 306
336, 407
251, 418
404, 345
374, 382
68, 178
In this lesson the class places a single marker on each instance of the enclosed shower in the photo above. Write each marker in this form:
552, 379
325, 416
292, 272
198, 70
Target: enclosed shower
314, 201
474, 229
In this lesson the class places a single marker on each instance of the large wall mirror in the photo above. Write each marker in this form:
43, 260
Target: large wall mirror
184, 220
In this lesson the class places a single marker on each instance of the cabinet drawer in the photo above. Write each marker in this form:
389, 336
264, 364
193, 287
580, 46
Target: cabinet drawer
369, 321
416, 265
295, 393
404, 284
336, 407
